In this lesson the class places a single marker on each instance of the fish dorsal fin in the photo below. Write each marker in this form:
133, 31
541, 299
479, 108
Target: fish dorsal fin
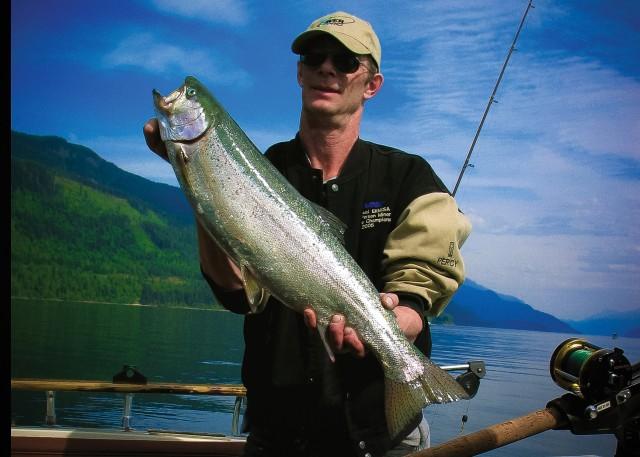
336, 226
257, 295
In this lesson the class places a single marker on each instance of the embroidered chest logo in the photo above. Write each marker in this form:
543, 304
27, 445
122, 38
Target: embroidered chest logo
373, 213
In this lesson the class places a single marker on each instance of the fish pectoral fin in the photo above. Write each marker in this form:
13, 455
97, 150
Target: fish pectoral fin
257, 295
336, 226
322, 330
183, 153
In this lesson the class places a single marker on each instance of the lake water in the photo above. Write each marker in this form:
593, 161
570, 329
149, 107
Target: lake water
62, 340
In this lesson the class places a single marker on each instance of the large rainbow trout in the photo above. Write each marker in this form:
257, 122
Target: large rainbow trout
286, 246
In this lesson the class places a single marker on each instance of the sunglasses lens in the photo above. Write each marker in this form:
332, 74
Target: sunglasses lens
344, 63
313, 59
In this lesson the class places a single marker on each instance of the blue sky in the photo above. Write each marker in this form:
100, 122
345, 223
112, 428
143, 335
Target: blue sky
554, 195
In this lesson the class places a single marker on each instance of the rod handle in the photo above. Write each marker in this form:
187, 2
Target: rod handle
497, 435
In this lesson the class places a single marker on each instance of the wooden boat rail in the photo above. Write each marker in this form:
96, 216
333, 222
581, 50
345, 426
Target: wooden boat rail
50, 386
129, 381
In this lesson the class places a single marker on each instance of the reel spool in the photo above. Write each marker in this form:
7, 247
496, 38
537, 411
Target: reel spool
589, 371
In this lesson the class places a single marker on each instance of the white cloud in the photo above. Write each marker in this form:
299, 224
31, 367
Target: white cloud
574, 102
149, 53
554, 196
567, 275
232, 12
456, 53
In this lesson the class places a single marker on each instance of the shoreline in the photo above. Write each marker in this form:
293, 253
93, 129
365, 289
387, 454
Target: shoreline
96, 302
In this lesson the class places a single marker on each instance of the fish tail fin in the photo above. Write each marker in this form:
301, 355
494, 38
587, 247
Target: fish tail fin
404, 400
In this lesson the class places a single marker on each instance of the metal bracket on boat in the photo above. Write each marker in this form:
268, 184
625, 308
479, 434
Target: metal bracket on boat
50, 418
126, 414
470, 379
237, 407
129, 375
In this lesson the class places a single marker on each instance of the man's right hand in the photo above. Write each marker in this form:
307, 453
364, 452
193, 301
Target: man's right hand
151, 132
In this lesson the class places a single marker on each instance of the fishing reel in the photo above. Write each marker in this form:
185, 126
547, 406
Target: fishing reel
605, 391
588, 371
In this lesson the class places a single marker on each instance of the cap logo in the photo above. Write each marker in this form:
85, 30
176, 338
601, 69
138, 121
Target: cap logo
336, 20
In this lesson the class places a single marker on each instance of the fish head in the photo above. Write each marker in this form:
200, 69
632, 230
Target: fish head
186, 113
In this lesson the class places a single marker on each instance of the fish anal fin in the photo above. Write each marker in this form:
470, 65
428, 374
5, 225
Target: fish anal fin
439, 386
322, 330
403, 403
257, 296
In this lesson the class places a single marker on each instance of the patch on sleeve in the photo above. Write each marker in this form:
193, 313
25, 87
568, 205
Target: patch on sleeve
449, 261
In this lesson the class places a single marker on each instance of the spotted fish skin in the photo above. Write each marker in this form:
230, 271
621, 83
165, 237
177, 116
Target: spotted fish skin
285, 246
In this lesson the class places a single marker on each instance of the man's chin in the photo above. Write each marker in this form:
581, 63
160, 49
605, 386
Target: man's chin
320, 107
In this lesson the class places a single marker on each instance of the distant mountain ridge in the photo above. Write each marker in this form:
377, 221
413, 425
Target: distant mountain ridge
152, 256
626, 323
476, 305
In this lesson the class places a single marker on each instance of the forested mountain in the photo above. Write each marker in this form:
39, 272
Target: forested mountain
83, 229
85, 166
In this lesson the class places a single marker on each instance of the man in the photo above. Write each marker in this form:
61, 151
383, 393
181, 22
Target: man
404, 230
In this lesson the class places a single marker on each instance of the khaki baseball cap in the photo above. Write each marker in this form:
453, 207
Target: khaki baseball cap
354, 33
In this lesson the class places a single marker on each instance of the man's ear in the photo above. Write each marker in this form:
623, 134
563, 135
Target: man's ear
373, 86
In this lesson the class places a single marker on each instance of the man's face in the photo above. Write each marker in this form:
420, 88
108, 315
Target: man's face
325, 89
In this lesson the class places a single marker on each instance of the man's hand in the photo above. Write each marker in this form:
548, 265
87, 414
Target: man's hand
344, 338
151, 132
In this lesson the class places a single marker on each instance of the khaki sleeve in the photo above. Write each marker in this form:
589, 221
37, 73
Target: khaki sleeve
422, 254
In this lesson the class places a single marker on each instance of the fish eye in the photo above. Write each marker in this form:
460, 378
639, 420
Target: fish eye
191, 92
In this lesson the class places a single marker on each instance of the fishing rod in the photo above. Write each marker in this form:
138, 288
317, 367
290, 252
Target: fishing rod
491, 99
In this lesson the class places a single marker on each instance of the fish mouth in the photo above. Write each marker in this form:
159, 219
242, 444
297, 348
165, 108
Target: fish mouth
165, 106
165, 103
181, 120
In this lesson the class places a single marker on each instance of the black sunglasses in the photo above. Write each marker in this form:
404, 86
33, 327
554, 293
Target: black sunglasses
344, 62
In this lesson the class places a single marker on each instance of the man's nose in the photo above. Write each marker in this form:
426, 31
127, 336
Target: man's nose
327, 65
